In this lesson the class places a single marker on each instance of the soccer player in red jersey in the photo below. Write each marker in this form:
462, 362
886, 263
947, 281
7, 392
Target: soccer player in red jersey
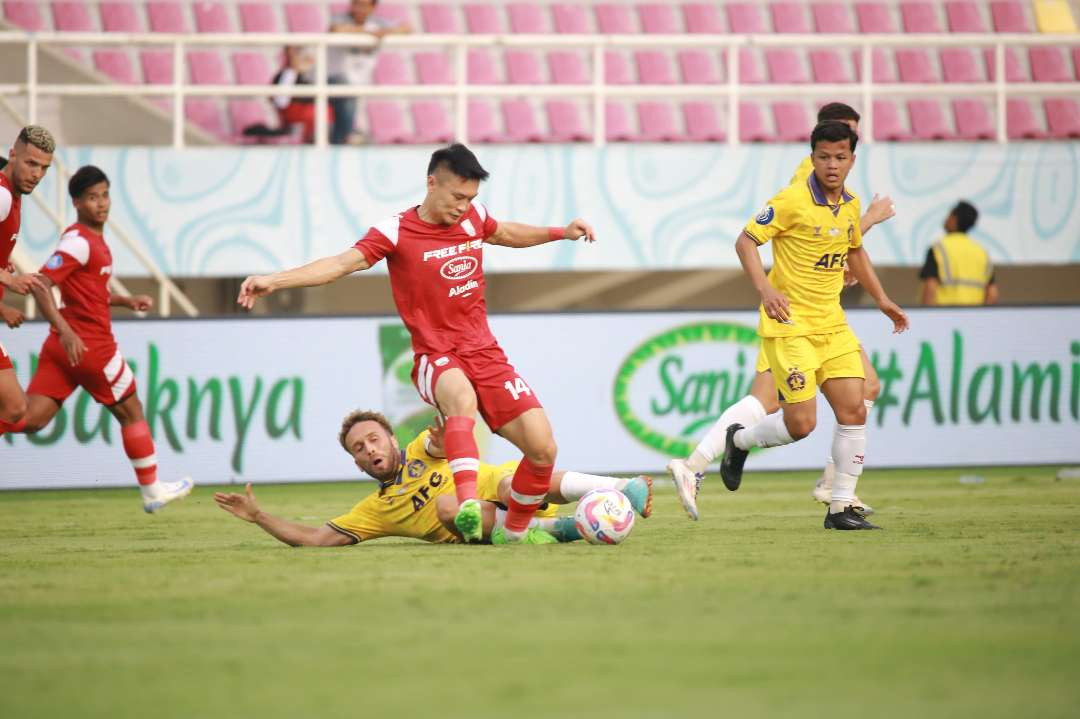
434, 252
81, 267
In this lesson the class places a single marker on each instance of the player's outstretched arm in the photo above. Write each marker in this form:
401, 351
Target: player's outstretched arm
879, 210
73, 345
775, 303
863, 269
319, 272
515, 234
21, 284
11, 316
246, 508
139, 303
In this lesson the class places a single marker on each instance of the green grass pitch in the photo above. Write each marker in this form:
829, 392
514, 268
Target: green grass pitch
967, 605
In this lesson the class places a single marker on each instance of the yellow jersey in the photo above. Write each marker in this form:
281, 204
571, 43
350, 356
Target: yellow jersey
811, 242
802, 171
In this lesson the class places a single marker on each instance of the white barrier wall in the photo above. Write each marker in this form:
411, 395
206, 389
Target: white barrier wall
262, 400
234, 211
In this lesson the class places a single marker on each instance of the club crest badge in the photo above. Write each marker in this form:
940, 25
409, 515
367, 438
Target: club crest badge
416, 468
796, 381
766, 215
55, 261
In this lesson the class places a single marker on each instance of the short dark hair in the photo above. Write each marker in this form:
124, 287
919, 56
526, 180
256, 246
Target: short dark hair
358, 416
833, 131
837, 111
84, 178
460, 160
966, 215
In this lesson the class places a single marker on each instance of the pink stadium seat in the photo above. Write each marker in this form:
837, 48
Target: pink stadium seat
306, 17
157, 66
960, 64
482, 19
793, 123
654, 67
390, 69
875, 17
656, 119
973, 121
786, 66
1009, 16
617, 125
613, 19
746, 18
829, 67
520, 121
964, 16
564, 119
386, 122
251, 67
617, 69
170, 17
1049, 64
699, 17
698, 67
115, 64
833, 17
207, 114
1014, 70
789, 17
480, 68
432, 121
433, 68
702, 122
211, 17
481, 123
928, 120
120, 17
750, 72
441, 19
752, 127
394, 13
247, 111
915, 66
25, 15
523, 68
1020, 122
72, 17
1076, 61
658, 19
888, 126
528, 18
259, 17
206, 67
920, 16
1062, 118
884, 69
567, 67
571, 19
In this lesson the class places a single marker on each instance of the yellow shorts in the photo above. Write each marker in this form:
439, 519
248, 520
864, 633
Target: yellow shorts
762, 362
487, 485
800, 364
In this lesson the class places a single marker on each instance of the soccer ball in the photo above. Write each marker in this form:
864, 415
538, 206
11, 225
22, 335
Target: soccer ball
604, 516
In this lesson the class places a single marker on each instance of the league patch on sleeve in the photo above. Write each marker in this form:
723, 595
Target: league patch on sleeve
55, 261
766, 215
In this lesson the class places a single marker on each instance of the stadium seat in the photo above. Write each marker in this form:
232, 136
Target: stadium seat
571, 19
482, 19
1020, 121
964, 16
1049, 64
702, 18
617, 125
884, 69
72, 17
658, 19
1014, 70
386, 122
697, 67
120, 17
614, 19
617, 68
116, 65
244, 112
157, 66
833, 17
394, 13
786, 66
657, 121
915, 66
211, 17
793, 123
1076, 61
1054, 16
440, 19
746, 18
565, 122
481, 122
25, 15
973, 121
520, 121
752, 127
875, 17
888, 125
789, 17
523, 68
928, 120
206, 67
252, 67
566, 67
960, 64
654, 67
305, 17
480, 67
207, 114
171, 17
750, 72
829, 67
702, 122
390, 69
431, 121
920, 17
1062, 118
259, 17
1008, 16
433, 68
528, 18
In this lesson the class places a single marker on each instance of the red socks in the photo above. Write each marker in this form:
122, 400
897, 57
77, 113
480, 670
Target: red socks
528, 489
461, 450
139, 447
12, 426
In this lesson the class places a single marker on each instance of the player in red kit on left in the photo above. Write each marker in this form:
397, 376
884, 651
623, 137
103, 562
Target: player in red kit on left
81, 268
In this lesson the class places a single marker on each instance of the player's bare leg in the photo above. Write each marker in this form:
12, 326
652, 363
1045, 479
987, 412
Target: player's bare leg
456, 399
845, 395
40, 410
13, 402
531, 433
139, 447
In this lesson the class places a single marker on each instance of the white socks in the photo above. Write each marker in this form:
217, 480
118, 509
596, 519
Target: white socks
769, 432
830, 467
748, 411
500, 521
574, 485
848, 451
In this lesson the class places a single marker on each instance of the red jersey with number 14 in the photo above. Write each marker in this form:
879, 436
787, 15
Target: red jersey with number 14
81, 267
437, 277
10, 217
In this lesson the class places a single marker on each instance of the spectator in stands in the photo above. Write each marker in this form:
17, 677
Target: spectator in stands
958, 271
353, 65
298, 64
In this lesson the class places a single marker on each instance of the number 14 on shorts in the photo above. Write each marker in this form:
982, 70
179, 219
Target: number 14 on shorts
517, 387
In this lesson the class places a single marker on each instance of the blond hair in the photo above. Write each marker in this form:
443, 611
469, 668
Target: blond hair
39, 137
355, 417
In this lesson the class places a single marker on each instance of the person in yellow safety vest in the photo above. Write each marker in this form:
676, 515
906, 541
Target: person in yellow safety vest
958, 271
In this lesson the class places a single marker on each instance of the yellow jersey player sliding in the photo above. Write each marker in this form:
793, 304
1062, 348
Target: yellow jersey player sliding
416, 496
